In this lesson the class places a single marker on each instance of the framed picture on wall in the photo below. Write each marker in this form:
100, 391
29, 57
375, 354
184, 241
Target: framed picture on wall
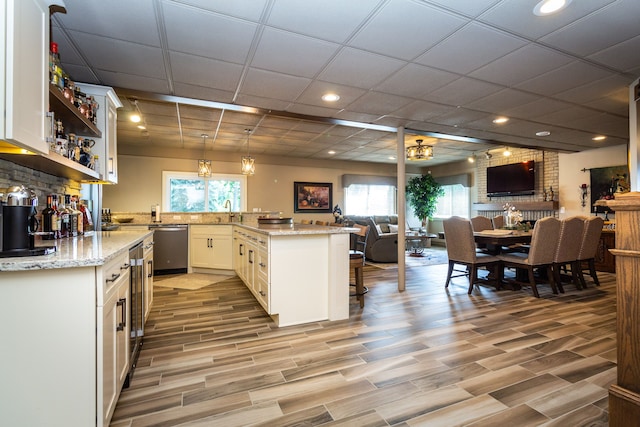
606, 183
312, 197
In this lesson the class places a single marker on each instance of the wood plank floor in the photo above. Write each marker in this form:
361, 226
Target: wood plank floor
426, 356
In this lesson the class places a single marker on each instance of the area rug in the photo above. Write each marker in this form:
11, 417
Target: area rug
431, 256
190, 281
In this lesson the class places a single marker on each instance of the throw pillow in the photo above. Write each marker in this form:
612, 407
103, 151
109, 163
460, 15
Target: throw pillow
393, 228
378, 228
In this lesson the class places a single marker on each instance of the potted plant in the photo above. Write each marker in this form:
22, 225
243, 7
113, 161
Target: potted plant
422, 195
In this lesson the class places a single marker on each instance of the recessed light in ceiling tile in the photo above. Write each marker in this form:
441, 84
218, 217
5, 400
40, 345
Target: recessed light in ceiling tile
331, 152
500, 120
543, 133
330, 97
599, 138
548, 7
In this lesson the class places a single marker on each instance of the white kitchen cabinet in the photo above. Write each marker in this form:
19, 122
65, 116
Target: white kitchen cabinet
211, 246
253, 264
106, 146
147, 246
24, 73
115, 327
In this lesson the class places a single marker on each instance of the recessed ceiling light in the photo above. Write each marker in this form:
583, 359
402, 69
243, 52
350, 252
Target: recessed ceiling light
142, 127
135, 118
500, 120
543, 133
330, 97
547, 7
332, 152
599, 138
506, 152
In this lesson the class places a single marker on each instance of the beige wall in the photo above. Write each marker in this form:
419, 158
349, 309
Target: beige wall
271, 188
571, 175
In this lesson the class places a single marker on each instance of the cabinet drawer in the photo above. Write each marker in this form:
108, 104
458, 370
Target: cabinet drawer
112, 274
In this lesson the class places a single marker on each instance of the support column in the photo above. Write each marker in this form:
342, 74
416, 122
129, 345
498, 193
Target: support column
402, 221
624, 396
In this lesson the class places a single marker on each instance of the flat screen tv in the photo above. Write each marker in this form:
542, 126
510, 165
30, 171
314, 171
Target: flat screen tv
516, 179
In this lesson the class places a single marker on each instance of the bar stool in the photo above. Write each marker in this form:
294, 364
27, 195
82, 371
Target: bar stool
356, 260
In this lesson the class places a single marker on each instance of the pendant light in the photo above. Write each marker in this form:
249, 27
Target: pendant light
204, 165
420, 152
248, 162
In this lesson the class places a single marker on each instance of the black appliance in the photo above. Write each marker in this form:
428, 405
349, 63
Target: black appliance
136, 313
516, 179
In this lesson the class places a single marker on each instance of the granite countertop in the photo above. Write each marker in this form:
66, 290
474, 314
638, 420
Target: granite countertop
294, 229
92, 249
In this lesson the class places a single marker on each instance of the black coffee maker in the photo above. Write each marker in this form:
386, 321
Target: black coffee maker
18, 221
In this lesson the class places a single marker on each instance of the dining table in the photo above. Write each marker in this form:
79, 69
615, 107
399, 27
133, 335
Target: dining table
497, 239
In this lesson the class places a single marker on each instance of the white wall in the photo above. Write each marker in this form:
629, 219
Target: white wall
572, 177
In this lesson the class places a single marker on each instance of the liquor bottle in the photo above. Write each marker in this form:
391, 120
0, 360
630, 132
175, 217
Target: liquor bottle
65, 225
49, 219
78, 216
56, 69
61, 139
57, 218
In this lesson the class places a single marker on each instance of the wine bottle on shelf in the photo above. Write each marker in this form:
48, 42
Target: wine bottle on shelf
49, 219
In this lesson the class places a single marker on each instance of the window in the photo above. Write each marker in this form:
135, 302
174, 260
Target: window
188, 192
454, 202
363, 199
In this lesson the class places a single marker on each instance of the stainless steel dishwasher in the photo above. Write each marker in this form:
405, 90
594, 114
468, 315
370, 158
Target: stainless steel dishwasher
170, 248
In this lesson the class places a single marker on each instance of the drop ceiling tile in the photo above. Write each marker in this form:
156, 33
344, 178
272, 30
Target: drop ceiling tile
595, 90
219, 37
199, 71
268, 84
521, 65
260, 102
130, 81
461, 116
404, 29
354, 67
291, 53
421, 110
84, 74
501, 101
247, 9
470, 48
518, 16
462, 91
198, 92
415, 80
572, 75
117, 19
580, 38
624, 56
120, 56
380, 103
319, 19
313, 94
465, 7
536, 109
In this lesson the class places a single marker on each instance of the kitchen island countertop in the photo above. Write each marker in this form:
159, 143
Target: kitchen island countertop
91, 249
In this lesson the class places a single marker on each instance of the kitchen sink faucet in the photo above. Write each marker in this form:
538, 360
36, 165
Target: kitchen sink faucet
227, 204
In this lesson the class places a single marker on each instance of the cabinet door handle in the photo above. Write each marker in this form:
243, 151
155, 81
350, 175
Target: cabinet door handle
262, 293
250, 256
150, 264
122, 303
114, 277
240, 249
262, 264
125, 266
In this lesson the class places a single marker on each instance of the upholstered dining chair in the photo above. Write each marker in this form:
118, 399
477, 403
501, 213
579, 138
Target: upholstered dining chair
568, 249
544, 241
498, 222
461, 249
589, 246
481, 223
357, 259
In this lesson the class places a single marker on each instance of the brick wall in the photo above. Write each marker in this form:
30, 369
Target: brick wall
40, 182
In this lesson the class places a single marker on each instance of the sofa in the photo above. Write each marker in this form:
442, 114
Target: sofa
382, 241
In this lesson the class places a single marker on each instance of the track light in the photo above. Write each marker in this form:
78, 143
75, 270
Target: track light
488, 155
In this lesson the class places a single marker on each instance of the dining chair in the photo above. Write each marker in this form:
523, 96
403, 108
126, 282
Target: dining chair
481, 223
357, 259
498, 222
544, 241
568, 249
306, 221
588, 248
461, 249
